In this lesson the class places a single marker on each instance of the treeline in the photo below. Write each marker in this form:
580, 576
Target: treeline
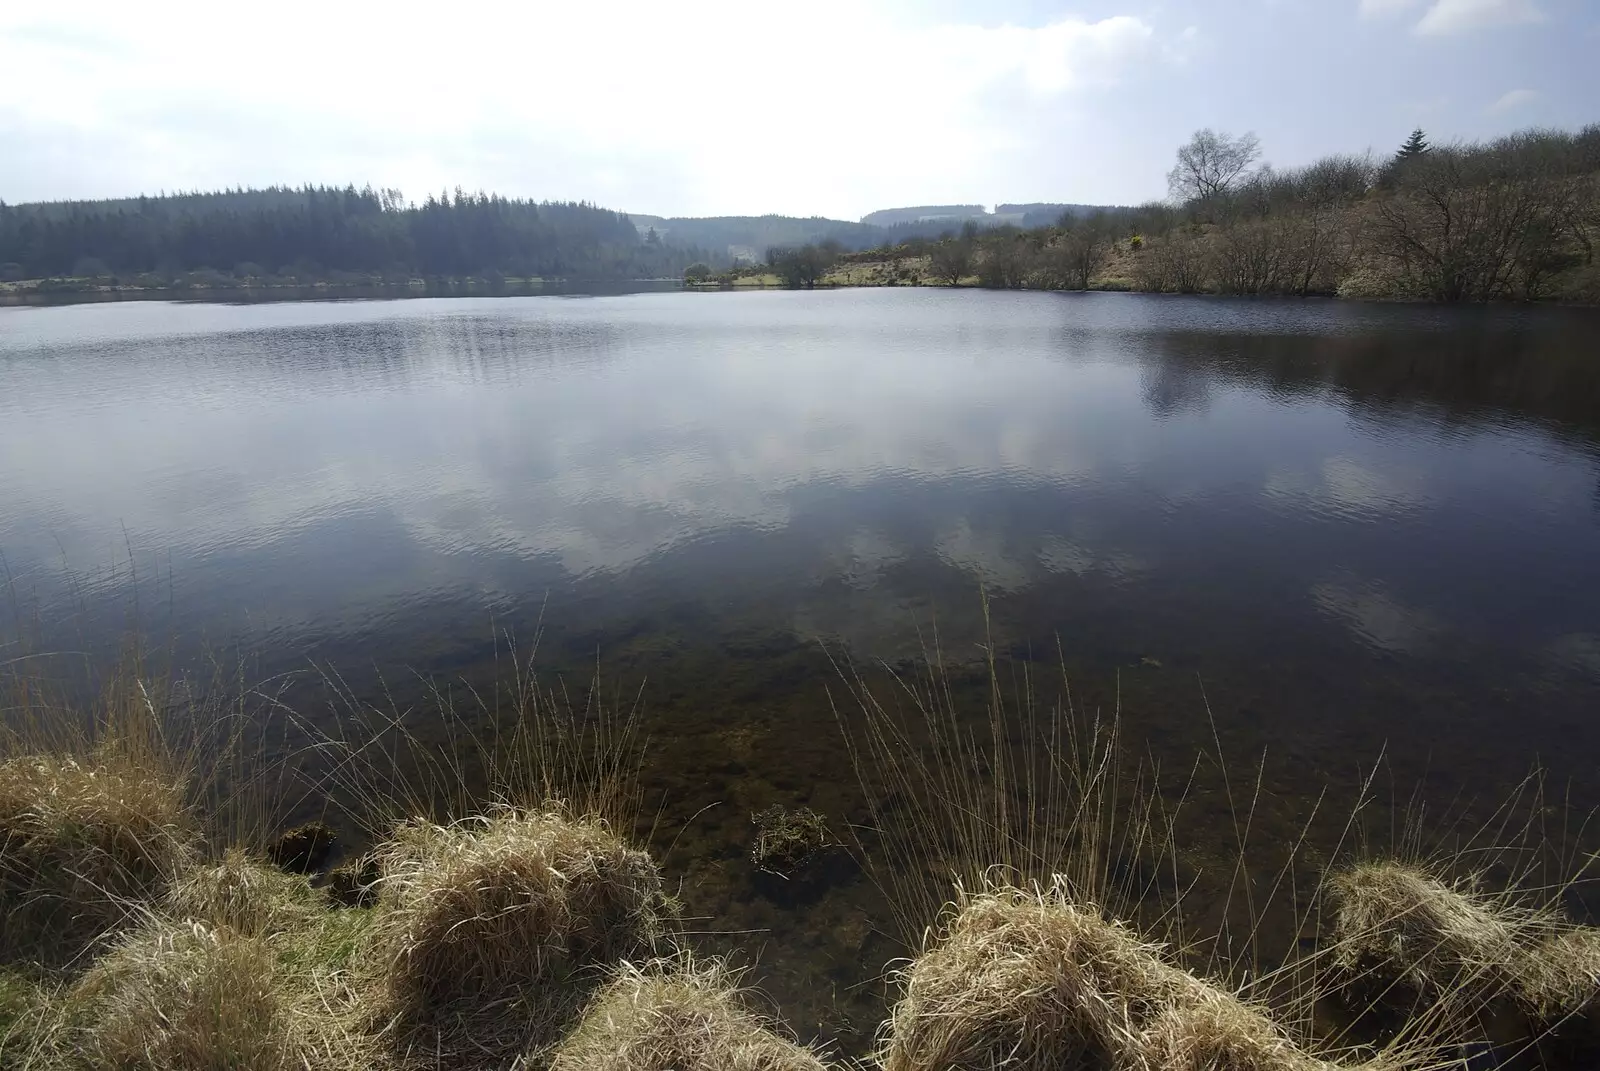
803, 265
1512, 219
320, 233
729, 240
752, 235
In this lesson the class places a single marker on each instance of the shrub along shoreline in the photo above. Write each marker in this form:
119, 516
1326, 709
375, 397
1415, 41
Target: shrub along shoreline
1514, 219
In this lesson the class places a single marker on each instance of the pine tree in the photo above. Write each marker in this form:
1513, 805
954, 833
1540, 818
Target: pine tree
1416, 145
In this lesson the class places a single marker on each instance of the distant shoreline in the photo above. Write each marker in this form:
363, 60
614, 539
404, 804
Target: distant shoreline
34, 295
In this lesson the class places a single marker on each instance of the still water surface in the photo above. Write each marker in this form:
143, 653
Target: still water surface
1360, 529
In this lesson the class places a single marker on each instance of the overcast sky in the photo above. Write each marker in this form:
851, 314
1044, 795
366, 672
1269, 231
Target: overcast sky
711, 107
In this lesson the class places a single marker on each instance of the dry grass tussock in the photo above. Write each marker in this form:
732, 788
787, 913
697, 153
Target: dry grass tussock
248, 897
81, 841
1563, 975
1031, 979
1413, 939
1431, 939
677, 1016
493, 931
103, 805
182, 996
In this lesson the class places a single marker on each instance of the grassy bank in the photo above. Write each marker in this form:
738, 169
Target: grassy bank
157, 915
1188, 260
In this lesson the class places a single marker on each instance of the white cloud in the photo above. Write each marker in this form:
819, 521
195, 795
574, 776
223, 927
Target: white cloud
1380, 9
1456, 16
1512, 101
1375, 616
640, 105
1459, 16
1049, 59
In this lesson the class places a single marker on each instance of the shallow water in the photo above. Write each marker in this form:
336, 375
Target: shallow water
1347, 530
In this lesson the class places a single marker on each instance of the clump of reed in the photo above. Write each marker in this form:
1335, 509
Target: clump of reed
1421, 938
980, 785
1407, 939
1031, 979
461, 749
25, 1010
677, 1015
486, 932
246, 896
1563, 976
959, 789
491, 932
1210, 1029
186, 996
104, 804
82, 842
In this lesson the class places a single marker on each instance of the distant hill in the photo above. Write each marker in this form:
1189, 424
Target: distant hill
319, 232
1041, 213
924, 217
749, 237
954, 214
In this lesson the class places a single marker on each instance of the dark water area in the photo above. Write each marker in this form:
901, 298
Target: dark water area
1347, 532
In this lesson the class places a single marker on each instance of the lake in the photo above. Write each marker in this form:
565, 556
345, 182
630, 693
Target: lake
1341, 534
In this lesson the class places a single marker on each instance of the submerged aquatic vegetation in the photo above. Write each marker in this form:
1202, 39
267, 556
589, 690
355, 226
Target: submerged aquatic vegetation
787, 840
677, 1015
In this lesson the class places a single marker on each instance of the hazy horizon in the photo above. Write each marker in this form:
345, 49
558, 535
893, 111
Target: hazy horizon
730, 109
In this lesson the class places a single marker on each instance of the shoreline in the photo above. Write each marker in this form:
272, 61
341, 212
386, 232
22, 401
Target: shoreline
527, 913
14, 296
33, 295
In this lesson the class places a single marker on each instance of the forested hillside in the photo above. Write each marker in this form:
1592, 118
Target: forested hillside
756, 234
319, 232
721, 236
1517, 218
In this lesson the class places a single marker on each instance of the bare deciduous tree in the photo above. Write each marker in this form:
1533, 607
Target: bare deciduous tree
1251, 256
1005, 260
1211, 163
951, 259
1084, 247
1180, 263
